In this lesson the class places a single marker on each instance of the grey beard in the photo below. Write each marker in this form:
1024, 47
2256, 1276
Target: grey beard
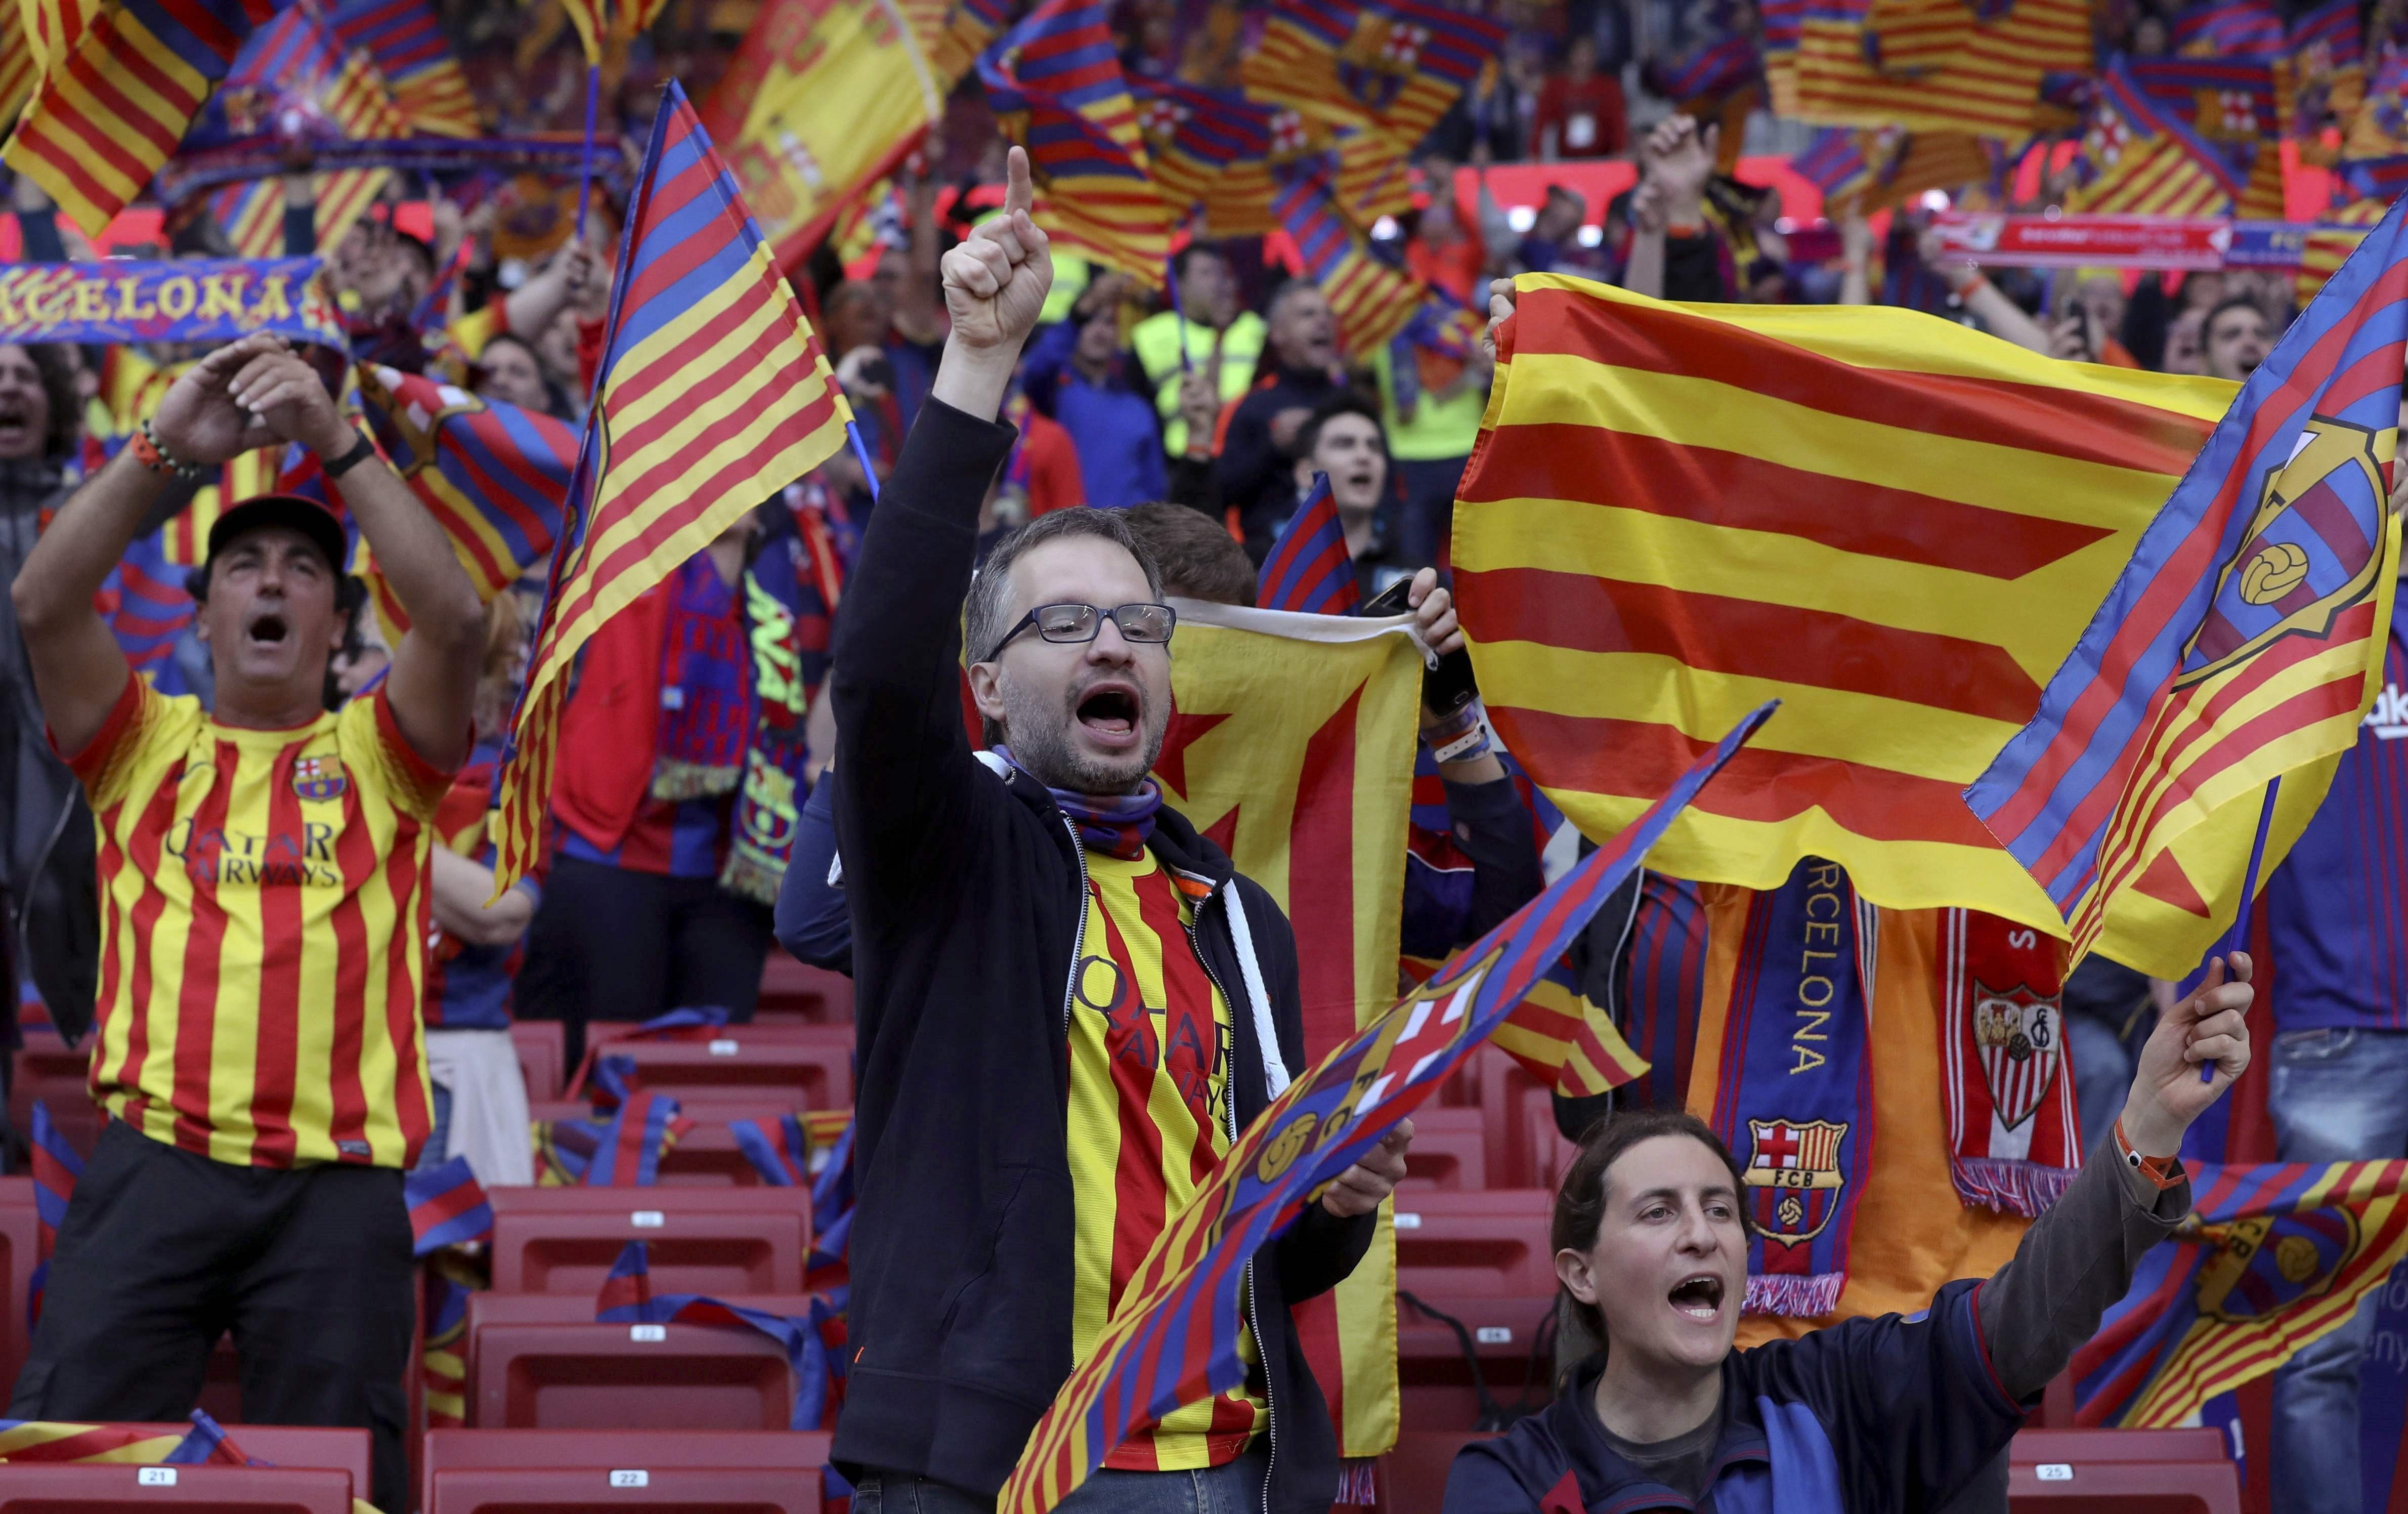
1039, 739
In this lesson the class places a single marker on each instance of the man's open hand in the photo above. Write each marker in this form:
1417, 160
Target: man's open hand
995, 282
254, 392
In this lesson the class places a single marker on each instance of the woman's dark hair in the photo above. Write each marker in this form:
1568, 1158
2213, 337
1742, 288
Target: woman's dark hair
1580, 1202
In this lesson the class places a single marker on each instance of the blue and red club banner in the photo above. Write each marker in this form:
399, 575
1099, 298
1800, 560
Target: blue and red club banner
189, 299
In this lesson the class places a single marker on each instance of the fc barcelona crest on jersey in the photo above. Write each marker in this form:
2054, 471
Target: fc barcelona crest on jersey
2308, 555
1794, 1176
318, 778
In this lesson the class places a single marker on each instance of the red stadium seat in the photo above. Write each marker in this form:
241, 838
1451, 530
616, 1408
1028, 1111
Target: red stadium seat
596, 1376
558, 1490
703, 1240
543, 1056
296, 1446
792, 991
1481, 1256
2122, 1471
789, 1454
20, 1239
568, 1309
805, 1066
1450, 1150
99, 1487
50, 1071
1412, 1478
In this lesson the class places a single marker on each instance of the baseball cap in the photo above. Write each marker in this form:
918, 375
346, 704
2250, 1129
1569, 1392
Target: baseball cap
313, 519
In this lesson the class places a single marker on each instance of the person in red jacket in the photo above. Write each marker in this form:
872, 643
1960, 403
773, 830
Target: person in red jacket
1581, 111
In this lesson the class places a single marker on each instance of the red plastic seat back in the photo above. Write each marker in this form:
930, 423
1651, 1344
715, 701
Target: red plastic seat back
807, 1066
2122, 1471
20, 1239
596, 1376
702, 1240
97, 1488
563, 1490
1450, 1150
792, 1453
1475, 1244
315, 1446
543, 1056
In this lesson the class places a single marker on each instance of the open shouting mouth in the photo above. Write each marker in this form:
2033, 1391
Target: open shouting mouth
1701, 1297
1107, 712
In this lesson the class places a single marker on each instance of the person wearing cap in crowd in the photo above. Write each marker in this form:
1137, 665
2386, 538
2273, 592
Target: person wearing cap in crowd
264, 873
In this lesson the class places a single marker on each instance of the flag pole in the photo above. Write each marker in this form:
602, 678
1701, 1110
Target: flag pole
2249, 886
861, 450
585, 167
1179, 311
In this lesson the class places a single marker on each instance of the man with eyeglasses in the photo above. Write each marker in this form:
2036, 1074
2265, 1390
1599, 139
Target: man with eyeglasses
1068, 1004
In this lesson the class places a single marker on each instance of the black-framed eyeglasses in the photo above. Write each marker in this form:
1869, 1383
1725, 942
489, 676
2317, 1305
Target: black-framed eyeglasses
1069, 621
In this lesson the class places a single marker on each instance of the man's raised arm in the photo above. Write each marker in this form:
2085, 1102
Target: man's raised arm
433, 686
897, 679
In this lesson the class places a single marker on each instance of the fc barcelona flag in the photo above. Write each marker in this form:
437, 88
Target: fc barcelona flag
1291, 745
106, 114
713, 396
2139, 158
2244, 638
410, 50
1675, 512
1308, 571
1388, 66
297, 63
2282, 1255
1174, 1338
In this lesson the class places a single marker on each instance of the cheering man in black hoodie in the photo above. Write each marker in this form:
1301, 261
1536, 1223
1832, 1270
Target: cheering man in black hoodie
1068, 1003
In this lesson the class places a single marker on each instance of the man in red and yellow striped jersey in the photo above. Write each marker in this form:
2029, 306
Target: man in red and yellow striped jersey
264, 896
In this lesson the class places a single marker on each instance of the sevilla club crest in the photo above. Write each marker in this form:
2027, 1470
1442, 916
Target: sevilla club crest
2019, 1037
1794, 1176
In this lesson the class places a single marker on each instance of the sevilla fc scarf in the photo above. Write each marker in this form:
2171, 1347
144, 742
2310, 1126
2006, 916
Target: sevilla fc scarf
1793, 1092
2013, 1139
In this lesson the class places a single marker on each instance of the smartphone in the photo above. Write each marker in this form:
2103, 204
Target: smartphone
1446, 687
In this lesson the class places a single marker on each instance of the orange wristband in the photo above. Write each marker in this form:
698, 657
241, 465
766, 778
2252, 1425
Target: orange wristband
2164, 1171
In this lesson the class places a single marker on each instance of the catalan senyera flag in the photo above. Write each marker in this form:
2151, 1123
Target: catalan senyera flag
1389, 67
416, 60
296, 61
1291, 745
712, 395
1174, 1338
494, 476
2279, 1256
1986, 82
1056, 82
53, 27
1308, 571
1895, 523
601, 23
2136, 158
2245, 637
1373, 300
108, 114
822, 98
19, 67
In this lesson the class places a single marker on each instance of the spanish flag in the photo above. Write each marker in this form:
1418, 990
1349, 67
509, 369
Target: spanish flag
713, 394
1895, 525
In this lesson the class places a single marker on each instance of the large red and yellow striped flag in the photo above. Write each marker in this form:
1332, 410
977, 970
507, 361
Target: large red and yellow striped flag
1895, 525
1929, 75
53, 27
109, 113
19, 67
713, 396
1291, 746
297, 58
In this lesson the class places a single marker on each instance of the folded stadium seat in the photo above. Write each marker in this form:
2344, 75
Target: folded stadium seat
496, 1310
706, 1156
1412, 1478
1481, 1256
105, 1488
596, 1377
789, 1454
543, 1056
2122, 1471
297, 1446
797, 991
810, 1066
716, 1240
20, 1239
50, 1071
723, 1490
1543, 1154
1450, 1150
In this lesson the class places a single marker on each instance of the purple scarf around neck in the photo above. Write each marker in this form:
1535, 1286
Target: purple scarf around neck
1116, 825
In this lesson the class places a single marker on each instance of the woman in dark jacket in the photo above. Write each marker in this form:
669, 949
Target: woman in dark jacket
1894, 1413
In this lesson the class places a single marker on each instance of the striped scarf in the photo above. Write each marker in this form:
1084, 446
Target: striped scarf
1116, 825
706, 687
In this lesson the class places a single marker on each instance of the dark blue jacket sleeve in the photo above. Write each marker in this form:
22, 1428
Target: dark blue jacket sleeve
1494, 828
812, 922
38, 231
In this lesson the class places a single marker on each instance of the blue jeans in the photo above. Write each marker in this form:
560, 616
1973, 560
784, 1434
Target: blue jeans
2336, 1096
1236, 1488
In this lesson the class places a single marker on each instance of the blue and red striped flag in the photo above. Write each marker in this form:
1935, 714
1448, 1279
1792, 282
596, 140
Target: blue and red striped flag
712, 395
1372, 299
1309, 570
143, 600
295, 64
416, 61
779, 1150
622, 1150
2229, 28
627, 1298
1174, 1338
786, 1158
1056, 82
1392, 67
2244, 638
56, 1167
2283, 1255
494, 476
446, 1205
108, 114
2137, 158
